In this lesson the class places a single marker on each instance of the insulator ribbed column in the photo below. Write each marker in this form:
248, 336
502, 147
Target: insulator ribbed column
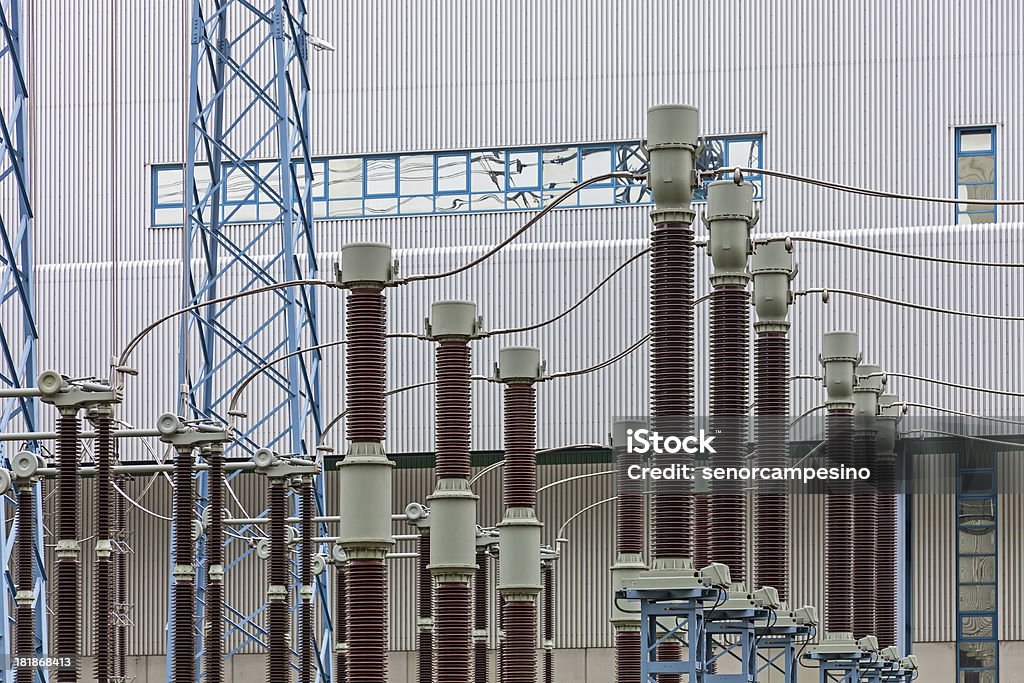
629, 550
121, 579
213, 646
453, 395
340, 623
183, 656
519, 660
628, 652
368, 617
365, 365
865, 525
520, 481
25, 613
67, 599
629, 505
453, 640
307, 640
730, 376
481, 617
771, 518
501, 625
102, 573
278, 609
885, 551
548, 621
839, 523
425, 612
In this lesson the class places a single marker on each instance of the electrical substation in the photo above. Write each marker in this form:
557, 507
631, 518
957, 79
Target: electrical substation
349, 344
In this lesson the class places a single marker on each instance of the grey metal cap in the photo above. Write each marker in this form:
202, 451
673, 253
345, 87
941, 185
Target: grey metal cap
453, 319
366, 262
839, 346
519, 364
726, 199
869, 378
621, 430
771, 257
672, 125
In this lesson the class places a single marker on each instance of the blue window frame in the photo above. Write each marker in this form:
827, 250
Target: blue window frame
512, 179
975, 173
977, 568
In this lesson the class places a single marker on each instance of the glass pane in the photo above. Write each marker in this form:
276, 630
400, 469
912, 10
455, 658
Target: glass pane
976, 627
743, 153
560, 167
977, 598
976, 461
549, 196
631, 194
596, 161
168, 217
976, 141
975, 169
347, 207
522, 200
977, 677
630, 158
488, 202
977, 655
599, 196
319, 209
978, 569
416, 175
417, 204
980, 218
346, 178
169, 186
202, 174
241, 213
713, 155
380, 176
523, 169
488, 171
451, 173
381, 207
976, 482
977, 543
270, 185
452, 202
318, 188
239, 185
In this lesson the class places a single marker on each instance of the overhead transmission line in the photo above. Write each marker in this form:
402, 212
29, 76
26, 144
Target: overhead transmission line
826, 292
885, 252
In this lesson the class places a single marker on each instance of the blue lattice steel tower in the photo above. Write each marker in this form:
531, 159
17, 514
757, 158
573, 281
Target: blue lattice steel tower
18, 332
248, 139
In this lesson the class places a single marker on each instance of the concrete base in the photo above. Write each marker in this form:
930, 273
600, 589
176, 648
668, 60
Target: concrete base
594, 665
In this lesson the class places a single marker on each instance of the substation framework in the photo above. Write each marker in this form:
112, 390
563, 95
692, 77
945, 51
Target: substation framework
696, 606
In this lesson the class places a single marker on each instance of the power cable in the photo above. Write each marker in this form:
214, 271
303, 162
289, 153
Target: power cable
964, 436
863, 190
957, 412
526, 226
826, 292
887, 252
932, 380
603, 364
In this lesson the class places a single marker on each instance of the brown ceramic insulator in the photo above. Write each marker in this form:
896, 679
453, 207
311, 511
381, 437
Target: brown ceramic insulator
627, 657
425, 610
365, 365
452, 410
307, 640
25, 614
481, 602
672, 379
520, 471
367, 616
340, 623
730, 376
183, 658
629, 505
103, 573
121, 580
669, 651
839, 532
548, 622
885, 552
68, 589
701, 531
213, 648
501, 623
519, 658
771, 518
453, 632
278, 611
865, 526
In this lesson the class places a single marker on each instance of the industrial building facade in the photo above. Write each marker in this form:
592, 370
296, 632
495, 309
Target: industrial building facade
439, 128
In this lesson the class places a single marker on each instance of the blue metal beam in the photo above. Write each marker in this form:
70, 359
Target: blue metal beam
249, 102
19, 334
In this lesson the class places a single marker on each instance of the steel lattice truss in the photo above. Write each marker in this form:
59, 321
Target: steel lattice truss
18, 331
248, 137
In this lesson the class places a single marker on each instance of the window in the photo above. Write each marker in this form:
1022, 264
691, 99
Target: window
977, 573
975, 174
445, 182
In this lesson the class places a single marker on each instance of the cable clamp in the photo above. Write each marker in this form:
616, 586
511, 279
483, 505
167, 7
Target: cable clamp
183, 573
306, 593
276, 593
68, 548
104, 548
215, 572
480, 634
25, 598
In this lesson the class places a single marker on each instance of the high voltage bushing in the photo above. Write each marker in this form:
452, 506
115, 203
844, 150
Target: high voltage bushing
103, 598
69, 397
485, 541
865, 413
548, 558
213, 612
890, 413
307, 642
772, 270
419, 517
453, 505
729, 216
365, 472
519, 368
185, 438
629, 548
839, 356
339, 560
24, 466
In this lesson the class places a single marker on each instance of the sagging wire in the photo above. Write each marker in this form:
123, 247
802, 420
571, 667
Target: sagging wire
603, 364
887, 252
957, 412
501, 463
827, 292
529, 224
967, 387
922, 432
